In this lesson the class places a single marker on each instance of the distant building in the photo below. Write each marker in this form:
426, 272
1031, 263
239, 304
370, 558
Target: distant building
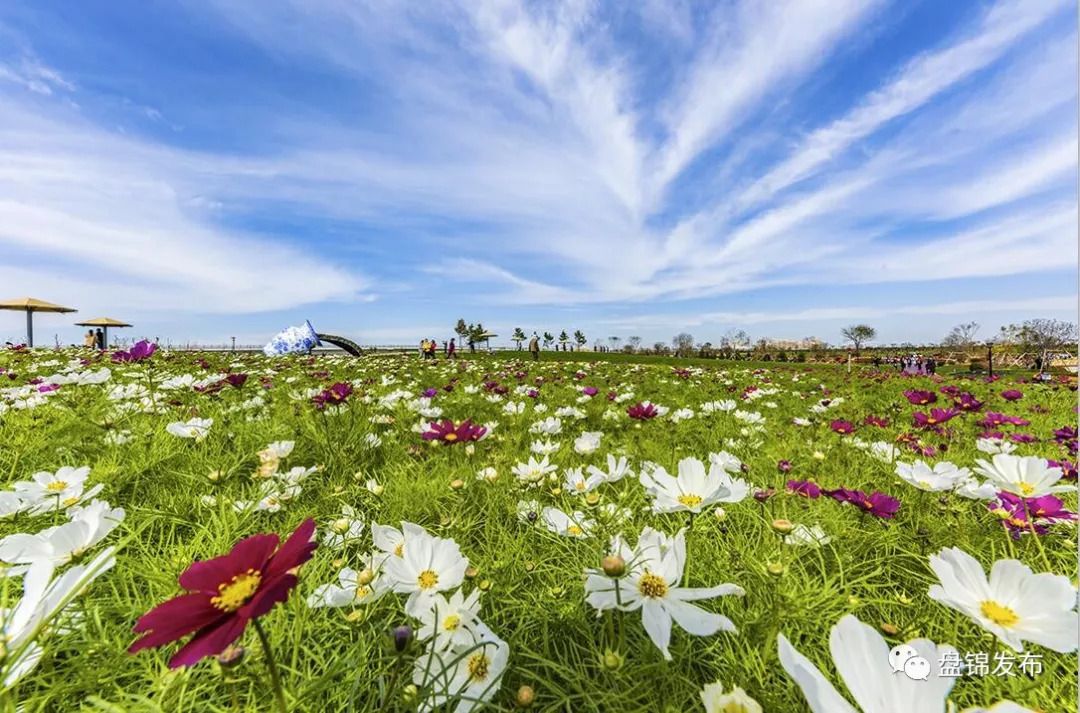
806, 343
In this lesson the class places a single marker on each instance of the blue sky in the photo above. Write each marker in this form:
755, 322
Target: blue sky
215, 169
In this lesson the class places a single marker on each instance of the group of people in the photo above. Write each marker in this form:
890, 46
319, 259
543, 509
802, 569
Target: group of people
914, 364
94, 338
429, 347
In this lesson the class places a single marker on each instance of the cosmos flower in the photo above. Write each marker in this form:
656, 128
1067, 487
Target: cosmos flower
877, 503
967, 402
47, 491
842, 427
336, 395
652, 584
196, 428
61, 544
920, 398
943, 476
447, 432
225, 594
805, 488
1012, 395
587, 442
936, 417
139, 351
573, 525
617, 469
812, 536
467, 675
737, 701
428, 565
642, 411
1028, 476
693, 489
533, 472
450, 623
352, 588
1014, 604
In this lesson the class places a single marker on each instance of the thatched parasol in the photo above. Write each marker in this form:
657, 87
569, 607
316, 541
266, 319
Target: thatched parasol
31, 305
104, 323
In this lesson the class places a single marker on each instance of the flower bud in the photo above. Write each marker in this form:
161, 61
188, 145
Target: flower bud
613, 566
889, 629
410, 693
365, 576
719, 514
592, 499
340, 526
471, 572
485, 585
470, 449
782, 526
214, 475
530, 566
402, 637
457, 484
525, 696
612, 660
232, 656
776, 569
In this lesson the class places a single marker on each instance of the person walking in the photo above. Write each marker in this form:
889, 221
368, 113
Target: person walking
451, 351
534, 347
89, 340
99, 338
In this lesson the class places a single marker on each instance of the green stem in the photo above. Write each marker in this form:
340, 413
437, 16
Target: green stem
275, 679
1035, 534
393, 682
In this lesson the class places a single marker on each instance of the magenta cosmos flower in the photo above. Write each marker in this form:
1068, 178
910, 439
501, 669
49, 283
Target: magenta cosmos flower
590, 391
842, 427
141, 350
804, 488
642, 412
877, 503
967, 402
224, 594
875, 421
935, 417
1012, 395
334, 396
920, 398
447, 432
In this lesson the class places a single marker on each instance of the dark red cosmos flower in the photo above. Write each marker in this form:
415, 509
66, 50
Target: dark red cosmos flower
611, 396
804, 488
1012, 395
141, 350
224, 594
993, 419
784, 466
763, 495
936, 416
950, 390
642, 412
875, 421
920, 398
236, 380
336, 394
448, 433
877, 503
590, 391
842, 427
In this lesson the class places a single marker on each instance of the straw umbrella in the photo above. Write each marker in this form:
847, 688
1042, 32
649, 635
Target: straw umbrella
486, 336
30, 305
104, 323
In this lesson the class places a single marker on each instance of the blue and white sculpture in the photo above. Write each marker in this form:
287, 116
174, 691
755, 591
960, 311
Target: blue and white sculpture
293, 340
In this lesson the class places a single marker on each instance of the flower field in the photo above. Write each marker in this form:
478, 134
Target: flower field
223, 532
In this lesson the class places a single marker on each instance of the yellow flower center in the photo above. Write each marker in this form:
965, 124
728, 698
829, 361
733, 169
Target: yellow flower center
450, 437
452, 622
652, 586
1002, 616
400, 549
1026, 488
427, 579
479, 666
57, 486
924, 484
362, 591
579, 485
237, 591
575, 530
690, 501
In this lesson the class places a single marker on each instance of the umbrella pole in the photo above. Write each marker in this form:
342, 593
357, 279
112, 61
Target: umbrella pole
105, 335
29, 327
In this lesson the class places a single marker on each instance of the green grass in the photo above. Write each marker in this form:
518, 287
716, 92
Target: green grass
336, 660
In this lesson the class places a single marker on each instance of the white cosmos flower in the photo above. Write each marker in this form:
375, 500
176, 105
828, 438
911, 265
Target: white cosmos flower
714, 406
428, 565
373, 486
974, 490
587, 442
861, 656
943, 476
550, 426
885, 452
693, 489
1029, 477
575, 525
1000, 707
749, 416
575, 482
196, 428
993, 446
345, 530
467, 676
533, 472
617, 469
681, 415
118, 437
655, 569
489, 474
738, 701
46, 491
44, 600
569, 412
1014, 604
803, 535
348, 591
449, 622
800, 421
390, 541
276, 451
60, 544
10, 504
513, 408
726, 461
544, 448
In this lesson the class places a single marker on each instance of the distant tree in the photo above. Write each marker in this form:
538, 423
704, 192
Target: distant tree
733, 341
518, 337
1041, 336
660, 348
961, 336
614, 342
475, 331
683, 343
634, 343
461, 329
579, 338
705, 350
548, 339
564, 338
859, 334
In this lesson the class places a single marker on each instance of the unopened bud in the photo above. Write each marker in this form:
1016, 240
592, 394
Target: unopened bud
776, 569
719, 514
340, 526
613, 566
612, 660
485, 584
530, 566
365, 576
457, 484
402, 637
232, 656
592, 499
525, 696
782, 526
889, 629
410, 693
214, 475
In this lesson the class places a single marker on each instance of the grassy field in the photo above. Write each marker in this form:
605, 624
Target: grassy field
190, 492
